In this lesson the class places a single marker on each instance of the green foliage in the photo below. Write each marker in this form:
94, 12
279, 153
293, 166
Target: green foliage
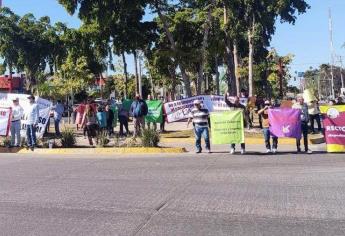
150, 138
68, 138
2, 69
6, 142
185, 43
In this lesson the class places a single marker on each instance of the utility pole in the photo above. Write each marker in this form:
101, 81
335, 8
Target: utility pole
281, 75
341, 71
140, 75
332, 51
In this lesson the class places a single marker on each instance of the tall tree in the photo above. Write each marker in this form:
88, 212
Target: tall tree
261, 16
9, 38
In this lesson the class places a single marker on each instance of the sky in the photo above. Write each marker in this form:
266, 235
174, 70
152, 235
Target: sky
308, 40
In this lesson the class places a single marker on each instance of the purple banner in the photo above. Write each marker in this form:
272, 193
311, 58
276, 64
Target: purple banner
285, 122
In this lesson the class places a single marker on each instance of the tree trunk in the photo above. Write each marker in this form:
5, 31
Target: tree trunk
10, 70
201, 66
199, 79
185, 77
140, 88
186, 81
251, 58
229, 59
151, 78
217, 76
126, 74
236, 62
172, 72
136, 72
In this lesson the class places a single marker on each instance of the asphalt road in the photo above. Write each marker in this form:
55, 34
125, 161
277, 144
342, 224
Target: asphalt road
213, 194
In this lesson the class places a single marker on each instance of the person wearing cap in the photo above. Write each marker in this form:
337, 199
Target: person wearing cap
266, 129
236, 105
304, 123
32, 115
17, 113
200, 116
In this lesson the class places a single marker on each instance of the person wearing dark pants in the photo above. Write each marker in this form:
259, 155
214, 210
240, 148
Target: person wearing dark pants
314, 115
123, 125
304, 128
199, 133
123, 119
110, 119
200, 115
32, 114
267, 136
304, 124
31, 135
266, 129
316, 118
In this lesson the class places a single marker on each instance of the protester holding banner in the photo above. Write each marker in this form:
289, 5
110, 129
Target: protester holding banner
200, 116
236, 105
139, 110
266, 129
304, 123
17, 113
32, 114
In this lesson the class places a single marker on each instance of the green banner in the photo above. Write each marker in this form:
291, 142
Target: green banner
155, 111
227, 127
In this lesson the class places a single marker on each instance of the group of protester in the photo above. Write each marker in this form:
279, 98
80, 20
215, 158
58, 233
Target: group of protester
32, 117
101, 118
97, 118
309, 113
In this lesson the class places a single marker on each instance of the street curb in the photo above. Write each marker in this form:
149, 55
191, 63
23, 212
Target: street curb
101, 151
248, 140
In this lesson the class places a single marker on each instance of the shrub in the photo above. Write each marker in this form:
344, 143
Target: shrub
150, 138
102, 138
6, 142
68, 139
132, 142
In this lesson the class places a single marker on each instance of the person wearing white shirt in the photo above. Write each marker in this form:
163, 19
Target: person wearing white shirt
32, 114
17, 113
